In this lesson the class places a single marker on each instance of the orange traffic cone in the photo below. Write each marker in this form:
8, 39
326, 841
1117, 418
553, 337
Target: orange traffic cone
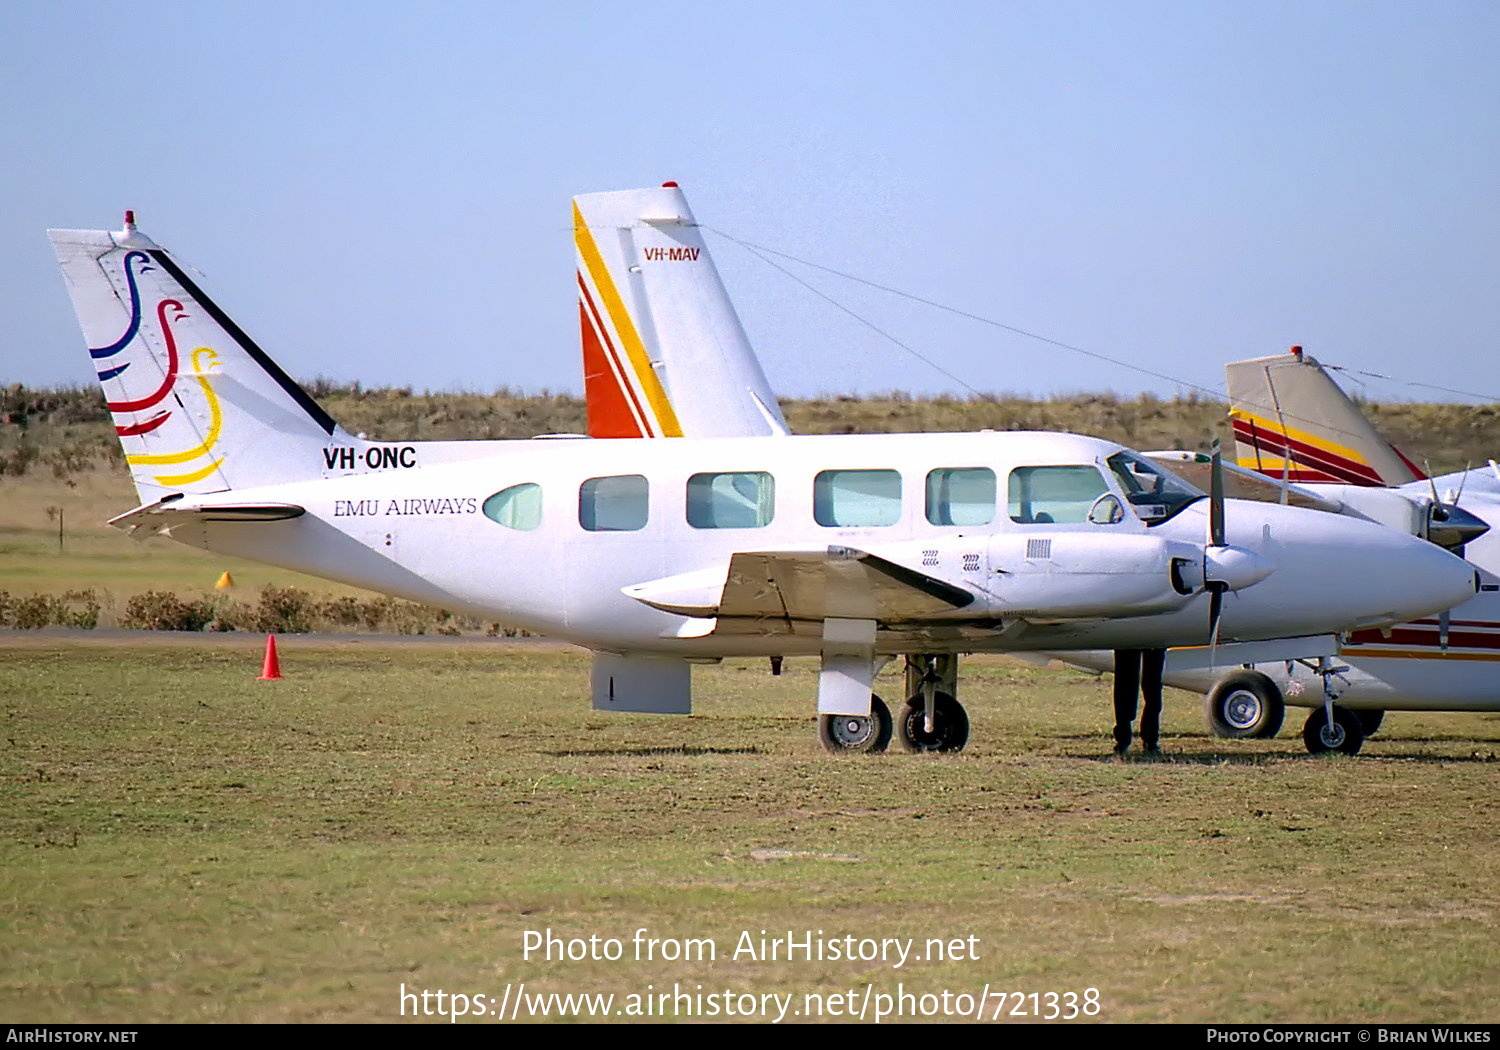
271, 670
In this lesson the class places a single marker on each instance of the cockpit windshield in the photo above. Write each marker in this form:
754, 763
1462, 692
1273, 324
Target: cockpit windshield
1156, 494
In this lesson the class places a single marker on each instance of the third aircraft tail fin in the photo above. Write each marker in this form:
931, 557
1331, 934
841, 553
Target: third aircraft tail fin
1292, 421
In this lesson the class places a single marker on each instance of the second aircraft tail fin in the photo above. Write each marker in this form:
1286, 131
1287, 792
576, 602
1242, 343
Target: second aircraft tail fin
664, 354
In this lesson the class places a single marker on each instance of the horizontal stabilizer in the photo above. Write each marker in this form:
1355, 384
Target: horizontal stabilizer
835, 582
164, 511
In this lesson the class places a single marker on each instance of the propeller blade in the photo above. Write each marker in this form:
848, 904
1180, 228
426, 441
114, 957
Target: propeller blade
1215, 611
1216, 497
1463, 479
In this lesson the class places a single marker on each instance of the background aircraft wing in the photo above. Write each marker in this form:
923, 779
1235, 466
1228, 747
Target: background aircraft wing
1240, 483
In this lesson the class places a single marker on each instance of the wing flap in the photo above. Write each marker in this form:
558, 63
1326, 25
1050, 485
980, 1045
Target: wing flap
813, 585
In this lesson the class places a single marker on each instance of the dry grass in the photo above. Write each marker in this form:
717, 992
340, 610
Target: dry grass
181, 842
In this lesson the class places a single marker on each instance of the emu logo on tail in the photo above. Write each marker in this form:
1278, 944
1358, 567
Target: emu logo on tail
168, 312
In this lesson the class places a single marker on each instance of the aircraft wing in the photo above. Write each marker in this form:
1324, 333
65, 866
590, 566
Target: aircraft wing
172, 510
1240, 483
807, 585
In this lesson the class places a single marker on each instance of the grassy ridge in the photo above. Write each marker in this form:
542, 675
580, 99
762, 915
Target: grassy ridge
58, 455
181, 842
1450, 435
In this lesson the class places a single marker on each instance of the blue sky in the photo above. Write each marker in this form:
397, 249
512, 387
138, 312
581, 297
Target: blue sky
380, 191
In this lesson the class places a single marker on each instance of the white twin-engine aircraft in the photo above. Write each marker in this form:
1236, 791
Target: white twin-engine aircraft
1292, 424
659, 554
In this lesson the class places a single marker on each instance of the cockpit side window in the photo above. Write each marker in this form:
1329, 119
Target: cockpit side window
1060, 495
1155, 494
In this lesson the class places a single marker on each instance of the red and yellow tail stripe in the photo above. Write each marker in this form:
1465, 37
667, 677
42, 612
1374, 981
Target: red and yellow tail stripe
625, 395
1277, 450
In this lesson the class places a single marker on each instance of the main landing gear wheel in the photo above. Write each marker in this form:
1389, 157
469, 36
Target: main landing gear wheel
855, 735
950, 725
1343, 734
1244, 705
1369, 720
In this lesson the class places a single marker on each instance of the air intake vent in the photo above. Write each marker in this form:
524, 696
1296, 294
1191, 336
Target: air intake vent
1040, 550
929, 557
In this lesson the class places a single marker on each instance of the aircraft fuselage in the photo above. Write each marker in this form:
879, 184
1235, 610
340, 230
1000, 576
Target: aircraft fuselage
546, 534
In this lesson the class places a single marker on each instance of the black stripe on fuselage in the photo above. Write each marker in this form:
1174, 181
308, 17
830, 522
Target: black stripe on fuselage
272, 369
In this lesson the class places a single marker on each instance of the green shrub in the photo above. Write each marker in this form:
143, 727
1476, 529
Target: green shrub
164, 611
285, 610
342, 612
34, 611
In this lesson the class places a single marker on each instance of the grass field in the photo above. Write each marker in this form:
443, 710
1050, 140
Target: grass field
111, 562
181, 842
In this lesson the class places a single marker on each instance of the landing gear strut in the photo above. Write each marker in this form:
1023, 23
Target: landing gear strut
933, 719
1331, 727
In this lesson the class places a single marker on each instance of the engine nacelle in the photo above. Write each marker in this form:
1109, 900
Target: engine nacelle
1082, 575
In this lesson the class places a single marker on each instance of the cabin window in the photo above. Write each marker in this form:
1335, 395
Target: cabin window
855, 498
739, 500
961, 496
1047, 495
518, 507
616, 504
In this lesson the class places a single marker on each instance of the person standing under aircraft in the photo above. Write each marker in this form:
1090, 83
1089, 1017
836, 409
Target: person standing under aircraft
1138, 670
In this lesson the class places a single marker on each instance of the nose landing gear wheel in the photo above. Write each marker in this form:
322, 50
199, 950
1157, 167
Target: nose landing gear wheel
856, 735
950, 725
1342, 734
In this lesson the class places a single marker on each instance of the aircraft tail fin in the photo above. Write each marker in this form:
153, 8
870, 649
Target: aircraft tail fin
1292, 421
197, 406
664, 354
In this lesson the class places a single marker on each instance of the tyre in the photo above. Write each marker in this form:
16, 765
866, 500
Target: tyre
1343, 734
855, 735
1369, 721
950, 725
1244, 705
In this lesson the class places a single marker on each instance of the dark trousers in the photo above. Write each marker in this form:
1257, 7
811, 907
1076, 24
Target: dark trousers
1138, 672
